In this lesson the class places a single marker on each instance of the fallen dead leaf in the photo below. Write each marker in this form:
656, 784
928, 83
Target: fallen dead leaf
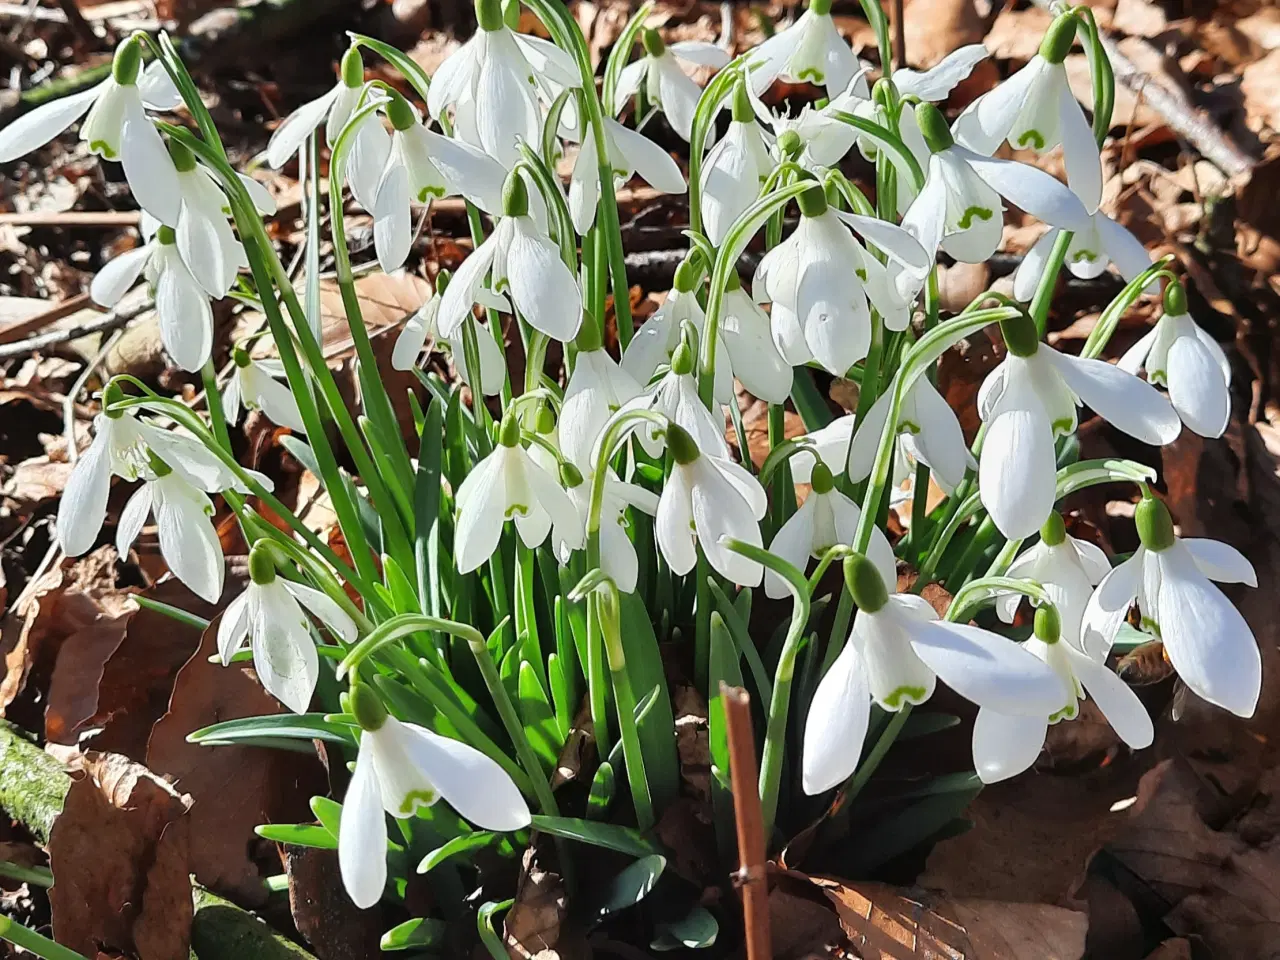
323, 913
936, 27
1262, 93
532, 926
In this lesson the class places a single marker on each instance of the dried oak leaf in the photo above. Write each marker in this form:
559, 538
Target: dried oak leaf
119, 851
334, 926
233, 789
532, 925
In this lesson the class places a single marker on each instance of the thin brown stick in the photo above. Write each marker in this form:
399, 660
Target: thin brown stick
112, 320
899, 35
107, 219
752, 876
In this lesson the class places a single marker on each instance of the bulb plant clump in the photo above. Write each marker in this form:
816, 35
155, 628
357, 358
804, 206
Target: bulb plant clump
534, 572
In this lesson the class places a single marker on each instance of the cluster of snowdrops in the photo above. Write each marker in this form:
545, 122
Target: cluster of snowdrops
623, 497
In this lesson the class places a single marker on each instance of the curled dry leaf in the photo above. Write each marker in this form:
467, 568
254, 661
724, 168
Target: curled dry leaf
532, 925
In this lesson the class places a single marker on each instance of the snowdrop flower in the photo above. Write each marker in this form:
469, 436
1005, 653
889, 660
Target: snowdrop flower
1207, 640
205, 239
706, 499
676, 397
1188, 362
521, 261
897, 649
1035, 108
400, 768
1068, 569
1005, 744
123, 447
735, 169
630, 153
422, 165
826, 517
823, 282
494, 79
811, 50
271, 616
184, 520
617, 553
509, 485
424, 324
254, 385
116, 128
182, 306
333, 108
597, 388
666, 83
959, 207
1103, 242
1029, 399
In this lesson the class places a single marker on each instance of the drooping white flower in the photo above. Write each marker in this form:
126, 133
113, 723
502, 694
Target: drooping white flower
705, 500
333, 108
822, 283
1168, 577
1090, 251
1188, 363
897, 649
421, 166
493, 83
630, 153
400, 768
596, 390
204, 237
675, 396
509, 485
424, 325
735, 169
959, 208
1031, 398
184, 521
182, 306
666, 83
811, 50
827, 517
116, 128
271, 617
617, 553
1035, 108
1005, 744
521, 261
255, 385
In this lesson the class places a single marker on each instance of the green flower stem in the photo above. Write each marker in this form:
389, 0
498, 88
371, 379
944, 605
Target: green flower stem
615, 430
874, 12
703, 578
704, 117
1004, 558
853, 786
783, 499
34, 943
35, 876
597, 685
1107, 324
607, 610
213, 402
977, 593
1043, 297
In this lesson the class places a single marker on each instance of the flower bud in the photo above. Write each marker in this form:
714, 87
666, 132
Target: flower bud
933, 127
652, 40
821, 480
864, 583
489, 15
240, 357
1175, 299
884, 93
687, 274
813, 202
262, 566
509, 431
1054, 530
682, 446
1058, 38
352, 68
183, 159
1020, 335
790, 144
515, 196
399, 112
126, 63
682, 360
1155, 526
1048, 624
545, 421
366, 707
742, 109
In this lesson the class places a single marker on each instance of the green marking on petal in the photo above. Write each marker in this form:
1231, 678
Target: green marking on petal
1063, 426
1085, 256
862, 275
517, 510
102, 148
418, 798
980, 213
1034, 138
902, 695
427, 193
1068, 712
1147, 625
813, 75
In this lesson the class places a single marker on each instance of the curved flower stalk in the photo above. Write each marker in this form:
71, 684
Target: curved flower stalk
630, 153
665, 82
400, 768
271, 617
493, 82
509, 485
521, 261
707, 500
811, 50
182, 305
1029, 399
1188, 363
424, 325
959, 207
735, 168
675, 397
827, 517
333, 109
1168, 577
255, 385
1005, 745
896, 651
598, 388
116, 128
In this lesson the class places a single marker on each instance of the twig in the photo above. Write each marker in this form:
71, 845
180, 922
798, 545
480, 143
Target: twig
899, 35
109, 219
108, 321
752, 876
55, 313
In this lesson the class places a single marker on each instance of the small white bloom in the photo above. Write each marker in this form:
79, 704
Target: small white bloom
424, 325
666, 83
1090, 251
1031, 398
1188, 363
184, 521
271, 616
897, 649
400, 768
735, 169
827, 517
1004, 744
204, 237
675, 396
617, 553
630, 153
596, 390
509, 485
333, 108
255, 385
1207, 640
705, 500
811, 50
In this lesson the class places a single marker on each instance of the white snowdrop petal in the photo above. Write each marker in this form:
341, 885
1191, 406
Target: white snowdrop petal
584, 185
1220, 561
362, 836
1196, 387
186, 318
132, 518
83, 507
157, 88
1005, 745
118, 275
651, 163
366, 159
1031, 190
629, 81
1109, 606
392, 219
673, 524
1130, 404
1092, 558
618, 556
938, 81
505, 105
1118, 703
470, 782
149, 168
284, 655
289, 137
1017, 473
940, 441
276, 400
1079, 148
34, 129
793, 543
1124, 250
1027, 277
719, 512
1134, 358
678, 95
460, 296
481, 503
702, 53
188, 540
987, 121
233, 627
926, 218
541, 286
836, 727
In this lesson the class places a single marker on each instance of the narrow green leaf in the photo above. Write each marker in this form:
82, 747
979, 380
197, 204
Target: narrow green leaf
922, 724
632, 884
603, 786
403, 597
172, 612
419, 933
426, 509
296, 726
696, 930
610, 836
907, 829
808, 399
328, 812
657, 729
298, 834
539, 719
741, 636
466, 843
484, 923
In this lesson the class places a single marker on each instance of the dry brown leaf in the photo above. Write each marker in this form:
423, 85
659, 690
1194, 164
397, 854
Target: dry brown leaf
1262, 92
385, 301
1263, 27
119, 852
532, 926
233, 789
323, 913
1016, 34
936, 27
